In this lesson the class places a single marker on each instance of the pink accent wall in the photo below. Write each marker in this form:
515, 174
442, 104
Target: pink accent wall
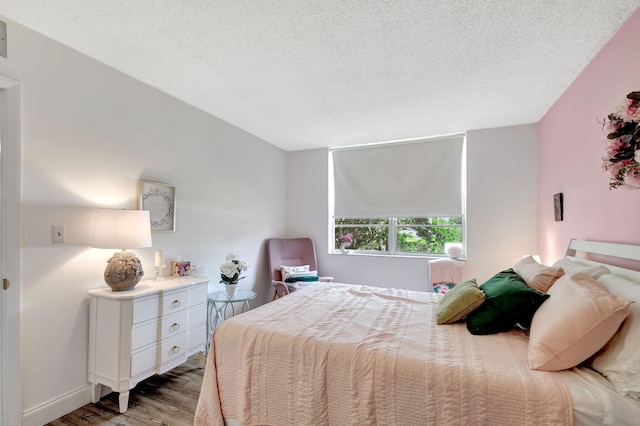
570, 150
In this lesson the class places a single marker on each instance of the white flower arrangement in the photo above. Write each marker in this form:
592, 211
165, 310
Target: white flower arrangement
231, 269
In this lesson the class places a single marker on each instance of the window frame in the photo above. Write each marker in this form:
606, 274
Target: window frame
392, 240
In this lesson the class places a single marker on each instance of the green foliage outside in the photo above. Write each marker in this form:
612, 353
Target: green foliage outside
414, 235
368, 234
431, 234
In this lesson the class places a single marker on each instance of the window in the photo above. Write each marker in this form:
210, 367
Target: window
400, 198
427, 236
366, 234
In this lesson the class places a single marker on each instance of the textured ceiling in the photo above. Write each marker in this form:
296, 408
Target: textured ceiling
307, 74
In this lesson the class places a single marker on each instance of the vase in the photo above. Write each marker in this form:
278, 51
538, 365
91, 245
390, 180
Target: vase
343, 247
231, 290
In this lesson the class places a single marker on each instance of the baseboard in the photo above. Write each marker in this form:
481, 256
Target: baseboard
56, 408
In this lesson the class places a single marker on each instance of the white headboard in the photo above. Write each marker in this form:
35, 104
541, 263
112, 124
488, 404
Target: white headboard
628, 252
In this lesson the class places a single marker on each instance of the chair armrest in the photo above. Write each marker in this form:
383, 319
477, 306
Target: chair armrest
280, 287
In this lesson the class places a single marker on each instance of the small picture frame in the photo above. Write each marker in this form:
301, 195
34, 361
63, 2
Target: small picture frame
160, 200
558, 207
180, 269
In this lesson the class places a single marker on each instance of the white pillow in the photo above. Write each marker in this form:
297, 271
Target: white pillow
288, 270
571, 266
619, 360
537, 276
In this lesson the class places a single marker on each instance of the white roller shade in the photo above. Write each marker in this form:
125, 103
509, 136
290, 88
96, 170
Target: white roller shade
415, 179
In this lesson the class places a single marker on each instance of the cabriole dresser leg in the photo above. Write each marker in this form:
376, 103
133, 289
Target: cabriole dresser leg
123, 399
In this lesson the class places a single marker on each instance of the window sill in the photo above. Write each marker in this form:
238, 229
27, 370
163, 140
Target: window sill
394, 255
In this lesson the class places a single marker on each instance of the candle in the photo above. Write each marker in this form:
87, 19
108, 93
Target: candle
159, 258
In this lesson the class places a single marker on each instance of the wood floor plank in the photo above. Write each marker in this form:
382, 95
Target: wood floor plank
153, 412
94, 415
169, 399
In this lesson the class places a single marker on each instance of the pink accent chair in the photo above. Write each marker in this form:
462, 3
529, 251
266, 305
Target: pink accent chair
445, 273
290, 252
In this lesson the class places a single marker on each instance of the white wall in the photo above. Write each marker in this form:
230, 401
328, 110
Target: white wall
501, 211
90, 134
501, 198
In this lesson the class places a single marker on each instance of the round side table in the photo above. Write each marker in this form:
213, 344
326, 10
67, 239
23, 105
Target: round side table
217, 305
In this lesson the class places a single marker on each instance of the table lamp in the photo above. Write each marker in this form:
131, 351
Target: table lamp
122, 229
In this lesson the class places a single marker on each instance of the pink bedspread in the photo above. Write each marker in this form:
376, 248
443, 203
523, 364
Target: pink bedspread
336, 354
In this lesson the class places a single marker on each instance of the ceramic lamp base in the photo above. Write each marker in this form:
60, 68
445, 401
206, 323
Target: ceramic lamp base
123, 271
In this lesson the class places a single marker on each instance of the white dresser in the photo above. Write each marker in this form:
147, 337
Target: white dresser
145, 331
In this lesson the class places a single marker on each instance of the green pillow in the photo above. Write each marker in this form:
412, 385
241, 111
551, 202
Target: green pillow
509, 301
459, 302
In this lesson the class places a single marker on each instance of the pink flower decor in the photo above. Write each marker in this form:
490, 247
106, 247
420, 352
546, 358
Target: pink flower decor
633, 109
346, 238
633, 179
623, 150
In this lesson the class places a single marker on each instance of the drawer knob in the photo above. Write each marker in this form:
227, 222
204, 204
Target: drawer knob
175, 304
174, 350
175, 326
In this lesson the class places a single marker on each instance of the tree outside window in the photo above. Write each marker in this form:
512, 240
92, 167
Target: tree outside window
426, 235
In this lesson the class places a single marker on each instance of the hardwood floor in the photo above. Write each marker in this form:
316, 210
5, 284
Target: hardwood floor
169, 399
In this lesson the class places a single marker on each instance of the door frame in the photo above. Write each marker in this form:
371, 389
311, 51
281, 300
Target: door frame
10, 258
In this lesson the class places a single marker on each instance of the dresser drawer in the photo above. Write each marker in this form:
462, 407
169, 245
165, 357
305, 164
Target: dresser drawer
174, 350
198, 294
174, 325
146, 309
197, 339
144, 334
144, 360
197, 316
175, 302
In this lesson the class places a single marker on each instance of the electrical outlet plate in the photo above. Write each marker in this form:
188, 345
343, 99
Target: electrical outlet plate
57, 234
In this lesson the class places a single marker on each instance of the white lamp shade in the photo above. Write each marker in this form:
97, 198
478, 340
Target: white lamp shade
121, 229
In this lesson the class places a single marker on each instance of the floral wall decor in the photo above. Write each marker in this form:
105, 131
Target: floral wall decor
622, 161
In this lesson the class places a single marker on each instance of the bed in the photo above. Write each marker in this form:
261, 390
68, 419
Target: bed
339, 354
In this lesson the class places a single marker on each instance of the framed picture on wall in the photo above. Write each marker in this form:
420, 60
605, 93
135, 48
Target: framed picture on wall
160, 200
558, 208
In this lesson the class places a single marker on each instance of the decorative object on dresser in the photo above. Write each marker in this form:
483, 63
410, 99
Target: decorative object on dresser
160, 200
122, 229
159, 264
622, 161
230, 272
150, 330
180, 269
